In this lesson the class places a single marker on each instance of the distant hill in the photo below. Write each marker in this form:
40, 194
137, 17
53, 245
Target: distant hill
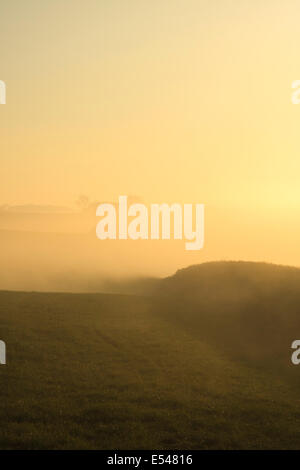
251, 309
233, 279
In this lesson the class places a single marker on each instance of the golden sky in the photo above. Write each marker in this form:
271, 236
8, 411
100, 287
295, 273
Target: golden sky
169, 100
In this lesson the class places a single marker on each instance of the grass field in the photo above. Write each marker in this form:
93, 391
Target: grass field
100, 371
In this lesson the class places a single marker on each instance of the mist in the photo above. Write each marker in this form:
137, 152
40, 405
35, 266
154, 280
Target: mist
53, 248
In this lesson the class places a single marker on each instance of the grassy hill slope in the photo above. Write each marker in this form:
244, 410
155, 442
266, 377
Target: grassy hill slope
167, 371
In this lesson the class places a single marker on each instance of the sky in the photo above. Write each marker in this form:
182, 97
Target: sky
165, 100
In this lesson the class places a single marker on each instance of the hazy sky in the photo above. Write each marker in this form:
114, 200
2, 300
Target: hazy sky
169, 100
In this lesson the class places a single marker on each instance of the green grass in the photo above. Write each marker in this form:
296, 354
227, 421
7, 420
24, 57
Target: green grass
96, 371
